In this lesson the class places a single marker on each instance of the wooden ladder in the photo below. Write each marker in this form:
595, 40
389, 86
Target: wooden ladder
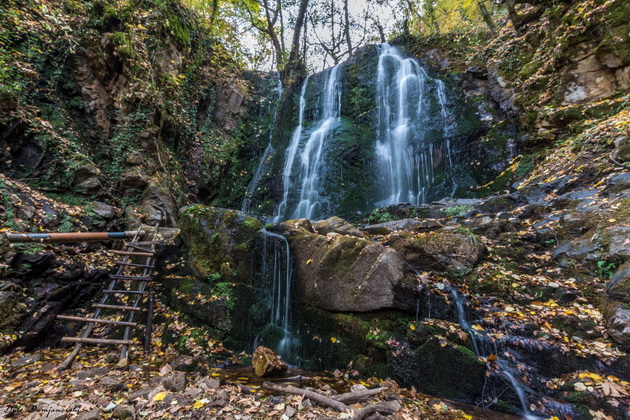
122, 298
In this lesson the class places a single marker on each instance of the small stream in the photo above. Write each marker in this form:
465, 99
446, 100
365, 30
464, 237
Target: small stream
509, 368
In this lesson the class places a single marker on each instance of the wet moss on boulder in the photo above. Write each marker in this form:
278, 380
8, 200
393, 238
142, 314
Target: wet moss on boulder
220, 242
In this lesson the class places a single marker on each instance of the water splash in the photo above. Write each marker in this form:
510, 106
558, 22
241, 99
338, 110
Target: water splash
406, 159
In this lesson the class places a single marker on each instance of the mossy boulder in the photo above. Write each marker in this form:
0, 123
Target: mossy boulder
220, 242
450, 249
439, 367
341, 272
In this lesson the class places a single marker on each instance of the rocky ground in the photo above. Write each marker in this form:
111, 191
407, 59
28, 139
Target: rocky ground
169, 384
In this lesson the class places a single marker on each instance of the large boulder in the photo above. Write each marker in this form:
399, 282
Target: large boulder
343, 272
450, 249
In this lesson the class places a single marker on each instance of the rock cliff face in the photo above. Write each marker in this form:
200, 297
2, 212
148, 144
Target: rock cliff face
128, 113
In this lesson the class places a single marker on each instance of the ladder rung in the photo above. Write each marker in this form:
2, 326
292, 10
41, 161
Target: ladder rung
144, 243
120, 277
131, 292
117, 307
96, 341
98, 321
140, 254
134, 265
141, 248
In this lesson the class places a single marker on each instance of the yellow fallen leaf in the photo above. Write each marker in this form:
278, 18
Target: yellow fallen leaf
477, 327
333, 339
412, 327
160, 396
309, 261
201, 403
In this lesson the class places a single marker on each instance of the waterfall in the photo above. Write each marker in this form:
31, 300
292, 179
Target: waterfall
405, 158
269, 151
276, 270
290, 155
310, 152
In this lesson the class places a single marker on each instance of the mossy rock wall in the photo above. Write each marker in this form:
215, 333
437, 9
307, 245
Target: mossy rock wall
220, 243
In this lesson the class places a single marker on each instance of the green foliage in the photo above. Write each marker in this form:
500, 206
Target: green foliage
227, 292
380, 216
606, 269
454, 211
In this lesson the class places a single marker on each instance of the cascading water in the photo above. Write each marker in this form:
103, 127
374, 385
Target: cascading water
269, 151
406, 159
478, 342
290, 155
276, 271
310, 152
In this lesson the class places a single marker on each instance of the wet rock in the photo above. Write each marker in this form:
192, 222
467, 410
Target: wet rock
449, 249
89, 186
577, 248
621, 153
26, 360
132, 218
267, 363
123, 412
619, 285
159, 206
112, 383
620, 241
406, 225
105, 211
337, 225
343, 273
12, 309
86, 179
92, 373
619, 180
619, 327
452, 371
134, 179
90, 415
142, 393
134, 159
208, 383
175, 382
500, 203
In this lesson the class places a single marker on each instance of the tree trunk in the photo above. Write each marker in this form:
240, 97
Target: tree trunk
486, 17
347, 26
293, 62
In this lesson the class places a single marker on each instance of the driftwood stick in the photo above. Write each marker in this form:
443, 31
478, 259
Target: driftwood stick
312, 395
355, 397
387, 408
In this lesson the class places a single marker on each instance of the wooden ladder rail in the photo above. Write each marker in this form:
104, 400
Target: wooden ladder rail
90, 326
123, 359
